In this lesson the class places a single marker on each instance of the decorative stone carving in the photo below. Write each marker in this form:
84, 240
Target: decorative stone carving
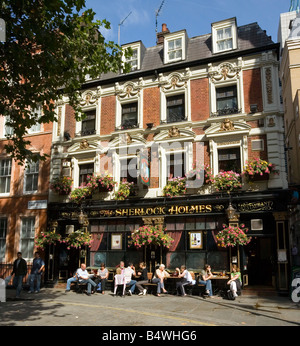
88, 98
269, 87
84, 144
128, 90
227, 125
224, 71
174, 132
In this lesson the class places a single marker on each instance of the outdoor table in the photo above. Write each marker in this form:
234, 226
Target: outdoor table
219, 282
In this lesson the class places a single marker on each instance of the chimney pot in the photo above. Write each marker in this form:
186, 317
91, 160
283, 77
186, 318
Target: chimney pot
160, 35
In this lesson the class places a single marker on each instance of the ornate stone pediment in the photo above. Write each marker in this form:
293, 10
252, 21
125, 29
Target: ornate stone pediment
227, 127
174, 80
224, 71
84, 145
128, 90
175, 133
89, 97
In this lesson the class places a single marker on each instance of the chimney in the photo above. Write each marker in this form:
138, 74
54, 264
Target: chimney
160, 35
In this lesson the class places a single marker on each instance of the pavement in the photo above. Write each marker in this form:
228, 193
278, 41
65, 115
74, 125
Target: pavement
55, 307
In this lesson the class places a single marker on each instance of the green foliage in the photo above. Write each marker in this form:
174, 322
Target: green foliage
50, 48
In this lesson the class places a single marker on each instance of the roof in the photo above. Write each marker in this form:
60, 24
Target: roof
250, 36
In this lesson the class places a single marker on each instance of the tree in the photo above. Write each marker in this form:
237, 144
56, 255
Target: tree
50, 48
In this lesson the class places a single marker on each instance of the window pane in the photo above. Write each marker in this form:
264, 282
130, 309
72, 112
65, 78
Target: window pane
84, 171
3, 231
175, 108
27, 236
129, 115
31, 176
229, 160
227, 32
5, 173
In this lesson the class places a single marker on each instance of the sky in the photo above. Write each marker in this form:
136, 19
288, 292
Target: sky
195, 16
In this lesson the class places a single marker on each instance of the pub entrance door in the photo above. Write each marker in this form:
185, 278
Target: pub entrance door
259, 261
153, 257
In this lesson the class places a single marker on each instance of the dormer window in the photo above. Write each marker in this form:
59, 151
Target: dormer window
224, 35
135, 60
175, 46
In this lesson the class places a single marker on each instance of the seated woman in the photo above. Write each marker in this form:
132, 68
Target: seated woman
186, 279
102, 277
206, 280
235, 281
143, 279
159, 276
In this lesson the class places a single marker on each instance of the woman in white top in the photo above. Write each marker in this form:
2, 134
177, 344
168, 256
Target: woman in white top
158, 279
186, 279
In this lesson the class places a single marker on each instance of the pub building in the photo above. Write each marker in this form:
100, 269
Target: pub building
210, 101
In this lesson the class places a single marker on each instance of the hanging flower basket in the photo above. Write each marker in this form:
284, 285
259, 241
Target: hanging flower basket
150, 235
101, 183
258, 169
228, 181
175, 187
78, 239
233, 236
46, 238
80, 193
61, 185
124, 191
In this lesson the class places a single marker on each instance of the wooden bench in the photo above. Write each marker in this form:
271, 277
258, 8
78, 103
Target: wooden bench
150, 286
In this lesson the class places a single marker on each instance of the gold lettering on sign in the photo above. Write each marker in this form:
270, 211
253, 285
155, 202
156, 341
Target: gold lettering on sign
255, 206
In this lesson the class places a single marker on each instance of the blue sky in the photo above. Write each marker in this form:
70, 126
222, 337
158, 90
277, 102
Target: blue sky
195, 16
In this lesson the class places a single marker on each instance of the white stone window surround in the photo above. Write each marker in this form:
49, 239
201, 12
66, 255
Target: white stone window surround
224, 144
228, 23
130, 93
224, 75
76, 162
90, 100
177, 84
172, 147
173, 37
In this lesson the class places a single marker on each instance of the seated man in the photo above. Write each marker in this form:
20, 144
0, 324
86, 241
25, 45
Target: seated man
128, 272
83, 277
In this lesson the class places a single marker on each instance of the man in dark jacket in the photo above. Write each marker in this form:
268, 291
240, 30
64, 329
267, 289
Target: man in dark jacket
20, 270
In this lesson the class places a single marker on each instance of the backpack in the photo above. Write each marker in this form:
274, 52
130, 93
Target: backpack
229, 295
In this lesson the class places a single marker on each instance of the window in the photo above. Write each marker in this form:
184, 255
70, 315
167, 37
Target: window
84, 171
226, 99
175, 108
3, 232
175, 165
175, 49
133, 60
88, 124
224, 35
229, 160
175, 46
8, 130
5, 174
129, 170
224, 39
27, 236
129, 115
36, 114
31, 176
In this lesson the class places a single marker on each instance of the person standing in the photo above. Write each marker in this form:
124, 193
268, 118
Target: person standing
37, 269
19, 270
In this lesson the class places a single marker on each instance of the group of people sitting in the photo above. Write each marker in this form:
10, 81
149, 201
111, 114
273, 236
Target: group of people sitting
127, 276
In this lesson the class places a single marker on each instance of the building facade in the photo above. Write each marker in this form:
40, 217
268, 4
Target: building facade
211, 101
290, 79
24, 193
